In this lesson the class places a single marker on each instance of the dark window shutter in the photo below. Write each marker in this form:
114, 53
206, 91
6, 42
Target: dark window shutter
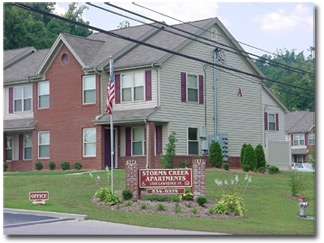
11, 100
201, 89
306, 138
21, 146
183, 88
266, 121
148, 85
117, 88
158, 139
128, 141
292, 139
277, 122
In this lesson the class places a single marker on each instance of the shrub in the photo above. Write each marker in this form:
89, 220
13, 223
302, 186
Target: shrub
5, 166
51, 165
160, 207
38, 165
226, 166
249, 157
260, 157
77, 165
194, 210
65, 165
127, 194
273, 169
167, 159
177, 209
242, 154
230, 204
143, 206
261, 170
246, 168
215, 155
187, 195
296, 182
184, 164
105, 194
201, 200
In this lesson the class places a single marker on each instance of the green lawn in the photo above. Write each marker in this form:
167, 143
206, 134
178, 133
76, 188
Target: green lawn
269, 210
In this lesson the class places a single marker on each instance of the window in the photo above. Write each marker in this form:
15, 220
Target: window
43, 144
311, 139
43, 94
9, 148
299, 139
192, 88
89, 142
138, 141
193, 142
89, 89
27, 146
132, 85
272, 122
23, 98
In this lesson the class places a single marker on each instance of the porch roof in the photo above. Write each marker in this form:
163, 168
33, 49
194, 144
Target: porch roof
299, 151
19, 125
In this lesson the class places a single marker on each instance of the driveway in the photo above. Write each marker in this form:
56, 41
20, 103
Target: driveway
31, 222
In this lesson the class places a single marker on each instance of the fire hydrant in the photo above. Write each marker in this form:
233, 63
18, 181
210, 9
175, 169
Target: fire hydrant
302, 205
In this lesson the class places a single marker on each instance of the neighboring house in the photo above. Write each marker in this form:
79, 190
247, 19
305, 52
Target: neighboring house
300, 131
55, 99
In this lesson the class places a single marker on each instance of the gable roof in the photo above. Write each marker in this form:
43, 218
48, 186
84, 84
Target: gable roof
299, 121
11, 57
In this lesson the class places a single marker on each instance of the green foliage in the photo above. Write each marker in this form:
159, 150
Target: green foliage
184, 164
215, 155
242, 154
231, 203
246, 168
160, 207
143, 206
161, 198
226, 166
5, 166
38, 165
260, 157
273, 169
170, 151
65, 165
177, 208
187, 196
262, 170
51, 165
201, 200
249, 157
77, 166
127, 194
106, 195
194, 210
296, 182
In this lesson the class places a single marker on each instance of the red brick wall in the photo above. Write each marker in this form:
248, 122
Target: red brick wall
67, 116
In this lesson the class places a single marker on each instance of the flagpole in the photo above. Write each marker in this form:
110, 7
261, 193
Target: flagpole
111, 129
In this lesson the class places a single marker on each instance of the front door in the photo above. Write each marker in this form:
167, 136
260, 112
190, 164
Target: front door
108, 149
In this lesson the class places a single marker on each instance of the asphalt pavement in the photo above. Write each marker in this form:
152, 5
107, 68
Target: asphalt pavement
17, 222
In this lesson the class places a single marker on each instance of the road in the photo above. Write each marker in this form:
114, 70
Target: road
32, 222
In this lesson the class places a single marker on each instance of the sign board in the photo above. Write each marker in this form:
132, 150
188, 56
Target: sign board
165, 178
166, 191
38, 197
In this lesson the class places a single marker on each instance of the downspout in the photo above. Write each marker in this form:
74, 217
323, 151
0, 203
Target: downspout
216, 90
147, 143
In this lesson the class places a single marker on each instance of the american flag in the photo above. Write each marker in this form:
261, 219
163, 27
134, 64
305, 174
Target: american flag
110, 89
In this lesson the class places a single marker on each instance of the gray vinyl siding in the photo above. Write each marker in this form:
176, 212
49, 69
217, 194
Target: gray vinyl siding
239, 117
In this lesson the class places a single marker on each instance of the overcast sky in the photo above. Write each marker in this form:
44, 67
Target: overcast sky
268, 27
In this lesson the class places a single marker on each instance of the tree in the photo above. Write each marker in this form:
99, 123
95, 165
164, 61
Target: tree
249, 157
215, 155
260, 157
167, 159
242, 154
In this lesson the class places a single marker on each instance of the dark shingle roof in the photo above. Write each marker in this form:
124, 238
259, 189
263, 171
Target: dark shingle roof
299, 121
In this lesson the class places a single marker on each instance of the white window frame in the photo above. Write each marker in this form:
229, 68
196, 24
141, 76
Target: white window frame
139, 140
193, 88
272, 122
44, 144
42, 94
89, 141
89, 80
28, 144
299, 137
311, 138
137, 81
9, 146
190, 140
23, 98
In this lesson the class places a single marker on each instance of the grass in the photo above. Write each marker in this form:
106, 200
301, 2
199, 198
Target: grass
269, 210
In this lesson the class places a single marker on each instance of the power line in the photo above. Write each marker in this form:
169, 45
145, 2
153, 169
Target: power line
243, 53
26, 7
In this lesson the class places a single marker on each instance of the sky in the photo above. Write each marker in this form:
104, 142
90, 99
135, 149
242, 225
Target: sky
260, 27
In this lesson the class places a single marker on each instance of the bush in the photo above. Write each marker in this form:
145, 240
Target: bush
187, 196
296, 182
5, 166
127, 194
170, 151
215, 155
51, 165
65, 165
230, 204
260, 157
273, 169
184, 164
77, 166
226, 166
105, 194
38, 165
261, 170
246, 168
242, 154
201, 200
249, 157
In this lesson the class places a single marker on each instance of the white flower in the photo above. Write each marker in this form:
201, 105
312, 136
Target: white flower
236, 178
232, 181
107, 168
246, 177
90, 174
98, 178
225, 182
250, 179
